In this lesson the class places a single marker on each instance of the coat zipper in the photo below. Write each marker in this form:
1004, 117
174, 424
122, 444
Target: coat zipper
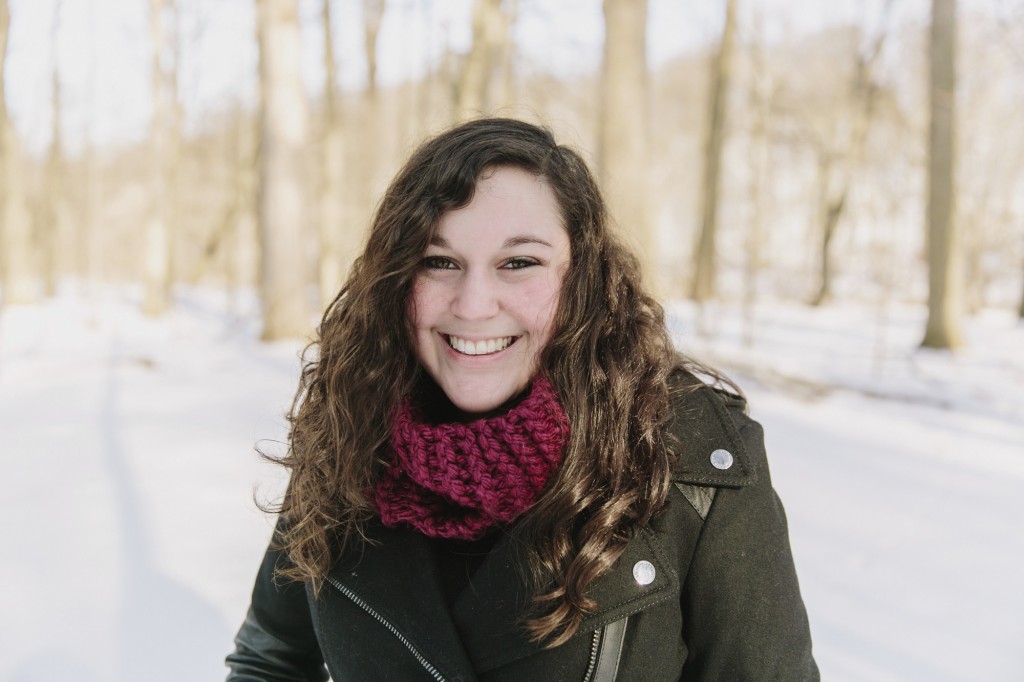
595, 647
401, 638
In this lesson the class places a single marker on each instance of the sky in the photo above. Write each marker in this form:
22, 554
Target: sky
102, 50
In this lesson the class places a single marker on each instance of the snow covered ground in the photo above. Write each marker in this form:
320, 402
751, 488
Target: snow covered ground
131, 537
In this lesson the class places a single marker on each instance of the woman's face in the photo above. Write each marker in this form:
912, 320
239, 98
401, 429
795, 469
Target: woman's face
485, 298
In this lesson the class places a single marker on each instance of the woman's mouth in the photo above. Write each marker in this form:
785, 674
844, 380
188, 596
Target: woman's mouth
481, 347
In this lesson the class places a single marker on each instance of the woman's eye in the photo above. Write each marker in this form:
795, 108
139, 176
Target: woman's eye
519, 263
438, 263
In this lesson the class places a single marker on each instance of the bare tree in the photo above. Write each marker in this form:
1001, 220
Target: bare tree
17, 251
360, 144
491, 26
1020, 311
53, 206
990, 181
332, 258
373, 15
761, 96
86, 244
704, 268
281, 213
943, 329
236, 231
164, 143
836, 164
624, 123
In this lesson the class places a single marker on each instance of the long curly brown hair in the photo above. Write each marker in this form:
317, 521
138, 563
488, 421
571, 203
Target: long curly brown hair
609, 359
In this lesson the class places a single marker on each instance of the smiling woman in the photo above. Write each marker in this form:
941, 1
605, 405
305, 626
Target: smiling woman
501, 469
483, 305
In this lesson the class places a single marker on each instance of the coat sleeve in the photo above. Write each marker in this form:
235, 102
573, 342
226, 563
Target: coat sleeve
277, 642
744, 618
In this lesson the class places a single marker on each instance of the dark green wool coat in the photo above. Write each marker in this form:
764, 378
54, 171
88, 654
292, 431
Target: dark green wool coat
721, 604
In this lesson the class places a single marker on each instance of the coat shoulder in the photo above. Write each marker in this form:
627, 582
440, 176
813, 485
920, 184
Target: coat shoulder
714, 439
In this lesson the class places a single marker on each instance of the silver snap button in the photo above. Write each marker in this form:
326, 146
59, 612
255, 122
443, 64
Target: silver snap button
643, 572
721, 459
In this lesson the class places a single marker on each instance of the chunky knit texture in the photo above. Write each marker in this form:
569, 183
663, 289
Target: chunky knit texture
459, 480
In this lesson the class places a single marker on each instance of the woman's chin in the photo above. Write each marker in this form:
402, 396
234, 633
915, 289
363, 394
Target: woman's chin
476, 408
475, 404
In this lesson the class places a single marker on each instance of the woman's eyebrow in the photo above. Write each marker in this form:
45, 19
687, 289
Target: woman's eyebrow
511, 242
523, 239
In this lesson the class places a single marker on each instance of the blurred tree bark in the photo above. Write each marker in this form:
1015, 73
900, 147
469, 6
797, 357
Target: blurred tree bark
234, 232
373, 15
487, 54
762, 92
1020, 311
836, 168
944, 324
703, 286
17, 252
163, 156
333, 258
281, 203
238, 224
972, 221
360, 143
87, 245
624, 125
53, 208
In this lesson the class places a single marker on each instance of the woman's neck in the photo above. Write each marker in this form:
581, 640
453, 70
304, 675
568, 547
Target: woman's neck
436, 408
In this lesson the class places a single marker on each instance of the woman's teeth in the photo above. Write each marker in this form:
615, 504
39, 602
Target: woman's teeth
483, 347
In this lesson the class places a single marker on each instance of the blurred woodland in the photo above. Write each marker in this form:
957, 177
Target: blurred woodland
873, 162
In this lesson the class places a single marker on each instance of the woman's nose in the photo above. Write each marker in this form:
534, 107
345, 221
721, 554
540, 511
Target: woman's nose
476, 297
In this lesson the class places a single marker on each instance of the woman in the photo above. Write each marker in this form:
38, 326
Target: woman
501, 469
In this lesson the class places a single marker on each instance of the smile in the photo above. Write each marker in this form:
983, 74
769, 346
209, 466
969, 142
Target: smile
482, 347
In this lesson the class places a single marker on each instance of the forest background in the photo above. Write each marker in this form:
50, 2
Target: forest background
817, 189
750, 150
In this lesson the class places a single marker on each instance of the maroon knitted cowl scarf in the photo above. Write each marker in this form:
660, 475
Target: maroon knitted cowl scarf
457, 480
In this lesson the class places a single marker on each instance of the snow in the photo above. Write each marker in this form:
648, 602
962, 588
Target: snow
132, 538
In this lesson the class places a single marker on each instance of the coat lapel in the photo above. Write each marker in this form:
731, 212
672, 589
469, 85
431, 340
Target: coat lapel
397, 577
490, 613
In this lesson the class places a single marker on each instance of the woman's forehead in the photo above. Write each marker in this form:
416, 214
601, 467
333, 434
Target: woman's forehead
510, 205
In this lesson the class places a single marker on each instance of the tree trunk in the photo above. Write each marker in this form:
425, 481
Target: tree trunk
281, 213
624, 124
704, 267
1020, 312
500, 88
373, 14
240, 228
943, 329
17, 252
87, 245
760, 164
163, 141
836, 182
54, 213
358, 143
333, 262
490, 38
832, 205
